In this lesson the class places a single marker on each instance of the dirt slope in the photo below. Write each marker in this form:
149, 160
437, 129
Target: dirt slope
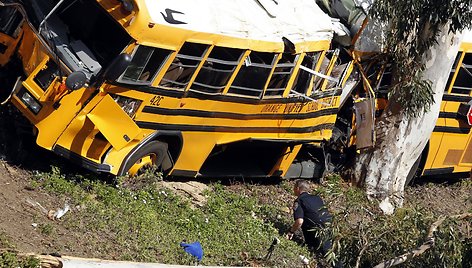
24, 220
23, 208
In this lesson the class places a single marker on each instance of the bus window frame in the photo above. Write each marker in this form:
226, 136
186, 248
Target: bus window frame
170, 61
329, 70
157, 73
236, 72
310, 85
296, 63
214, 60
459, 66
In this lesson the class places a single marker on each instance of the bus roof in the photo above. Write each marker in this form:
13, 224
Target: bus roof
299, 21
467, 36
466, 44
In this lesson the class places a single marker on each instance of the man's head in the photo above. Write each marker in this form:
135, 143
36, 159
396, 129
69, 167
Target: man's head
300, 187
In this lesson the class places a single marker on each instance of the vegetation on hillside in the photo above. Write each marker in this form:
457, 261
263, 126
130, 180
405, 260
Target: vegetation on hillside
146, 222
9, 258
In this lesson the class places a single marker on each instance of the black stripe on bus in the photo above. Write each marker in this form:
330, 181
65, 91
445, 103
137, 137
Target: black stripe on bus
228, 115
184, 173
456, 98
451, 115
181, 127
224, 98
80, 160
459, 130
438, 171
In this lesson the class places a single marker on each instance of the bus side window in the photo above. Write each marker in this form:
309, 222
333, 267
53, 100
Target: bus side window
463, 83
304, 78
145, 65
283, 70
217, 70
253, 75
339, 69
323, 70
183, 66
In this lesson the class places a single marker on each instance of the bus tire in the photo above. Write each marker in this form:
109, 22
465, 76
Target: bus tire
151, 154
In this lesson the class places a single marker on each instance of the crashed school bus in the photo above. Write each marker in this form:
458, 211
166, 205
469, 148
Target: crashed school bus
210, 88
449, 151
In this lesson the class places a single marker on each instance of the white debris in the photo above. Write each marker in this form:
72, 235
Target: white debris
61, 212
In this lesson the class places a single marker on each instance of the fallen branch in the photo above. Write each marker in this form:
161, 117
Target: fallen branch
428, 243
364, 248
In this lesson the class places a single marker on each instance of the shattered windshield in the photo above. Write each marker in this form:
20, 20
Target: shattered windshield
81, 32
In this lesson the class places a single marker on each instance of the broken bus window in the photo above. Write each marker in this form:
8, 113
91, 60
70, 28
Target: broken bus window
253, 75
184, 66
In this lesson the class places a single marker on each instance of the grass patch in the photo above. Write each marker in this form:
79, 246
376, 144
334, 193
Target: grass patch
46, 229
237, 225
148, 223
10, 259
4, 242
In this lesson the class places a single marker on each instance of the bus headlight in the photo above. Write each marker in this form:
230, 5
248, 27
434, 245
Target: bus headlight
129, 105
30, 101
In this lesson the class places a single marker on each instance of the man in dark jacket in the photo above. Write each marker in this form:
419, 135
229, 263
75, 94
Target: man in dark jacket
310, 213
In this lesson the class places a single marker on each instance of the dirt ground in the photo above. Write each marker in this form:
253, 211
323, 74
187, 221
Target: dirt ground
24, 220
24, 208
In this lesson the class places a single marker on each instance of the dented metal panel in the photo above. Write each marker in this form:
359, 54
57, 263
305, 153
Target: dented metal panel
113, 123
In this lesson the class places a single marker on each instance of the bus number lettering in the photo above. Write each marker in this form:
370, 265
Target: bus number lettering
156, 100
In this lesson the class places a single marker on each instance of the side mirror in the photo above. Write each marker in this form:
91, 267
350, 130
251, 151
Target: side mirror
76, 80
117, 67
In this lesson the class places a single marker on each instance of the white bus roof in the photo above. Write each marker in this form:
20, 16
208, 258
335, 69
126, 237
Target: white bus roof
467, 36
264, 20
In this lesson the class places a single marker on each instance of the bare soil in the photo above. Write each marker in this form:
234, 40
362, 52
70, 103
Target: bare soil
24, 220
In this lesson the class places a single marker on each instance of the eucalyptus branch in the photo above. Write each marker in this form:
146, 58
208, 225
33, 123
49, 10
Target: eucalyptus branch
412, 28
427, 244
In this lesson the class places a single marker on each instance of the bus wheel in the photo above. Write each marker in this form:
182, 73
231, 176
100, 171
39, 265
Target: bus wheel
413, 171
150, 155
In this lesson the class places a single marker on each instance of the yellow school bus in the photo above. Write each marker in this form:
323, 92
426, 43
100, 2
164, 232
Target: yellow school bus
449, 151
197, 88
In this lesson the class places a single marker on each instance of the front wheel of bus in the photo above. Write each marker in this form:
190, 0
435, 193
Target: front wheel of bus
150, 155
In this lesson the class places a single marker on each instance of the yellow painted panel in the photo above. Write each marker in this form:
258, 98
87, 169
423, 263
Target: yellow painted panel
285, 161
113, 123
434, 146
452, 157
196, 148
466, 159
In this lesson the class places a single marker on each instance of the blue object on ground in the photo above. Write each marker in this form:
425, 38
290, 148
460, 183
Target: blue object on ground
194, 249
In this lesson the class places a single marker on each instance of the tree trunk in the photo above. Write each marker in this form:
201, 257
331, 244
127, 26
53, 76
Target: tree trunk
400, 140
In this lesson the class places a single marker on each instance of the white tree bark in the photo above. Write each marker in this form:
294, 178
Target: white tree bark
400, 141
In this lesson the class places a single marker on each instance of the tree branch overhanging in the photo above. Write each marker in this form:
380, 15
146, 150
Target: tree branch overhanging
427, 244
